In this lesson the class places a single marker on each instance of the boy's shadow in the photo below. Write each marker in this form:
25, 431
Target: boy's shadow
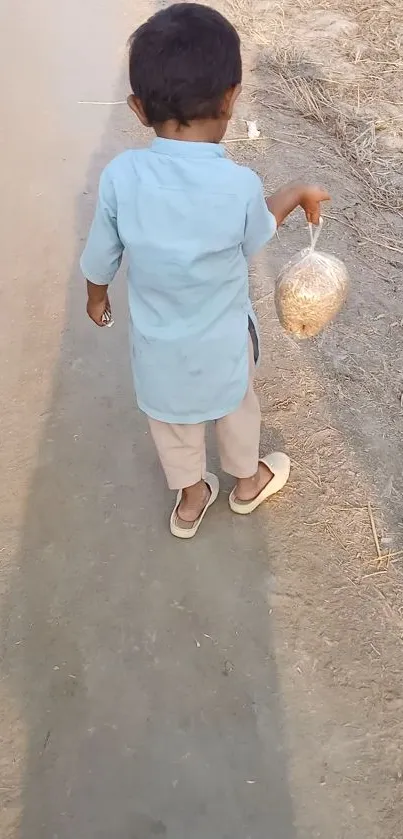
143, 668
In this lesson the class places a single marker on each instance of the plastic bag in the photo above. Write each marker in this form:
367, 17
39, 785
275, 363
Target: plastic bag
310, 290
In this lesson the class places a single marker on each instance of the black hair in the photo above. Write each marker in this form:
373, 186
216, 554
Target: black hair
182, 61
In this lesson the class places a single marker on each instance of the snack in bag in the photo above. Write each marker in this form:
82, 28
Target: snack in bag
310, 290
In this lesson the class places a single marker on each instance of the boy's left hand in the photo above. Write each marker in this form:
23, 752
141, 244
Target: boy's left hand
311, 199
96, 310
98, 305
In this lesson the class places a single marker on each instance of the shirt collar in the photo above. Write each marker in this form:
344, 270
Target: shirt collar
184, 148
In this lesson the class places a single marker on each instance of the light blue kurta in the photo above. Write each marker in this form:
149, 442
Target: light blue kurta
189, 219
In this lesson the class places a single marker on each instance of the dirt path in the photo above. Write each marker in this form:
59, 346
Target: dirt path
248, 684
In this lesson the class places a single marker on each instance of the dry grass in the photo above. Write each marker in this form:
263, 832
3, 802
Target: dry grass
342, 66
329, 500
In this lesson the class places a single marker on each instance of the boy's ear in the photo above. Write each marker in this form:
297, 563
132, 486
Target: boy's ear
136, 106
228, 103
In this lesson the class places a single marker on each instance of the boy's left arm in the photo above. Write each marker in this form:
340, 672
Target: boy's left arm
103, 252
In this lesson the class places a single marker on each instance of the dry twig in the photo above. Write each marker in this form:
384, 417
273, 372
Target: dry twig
374, 533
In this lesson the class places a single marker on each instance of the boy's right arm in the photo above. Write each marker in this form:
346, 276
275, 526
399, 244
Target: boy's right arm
287, 199
263, 215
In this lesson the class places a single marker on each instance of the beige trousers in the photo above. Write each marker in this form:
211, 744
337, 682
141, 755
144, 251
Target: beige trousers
182, 448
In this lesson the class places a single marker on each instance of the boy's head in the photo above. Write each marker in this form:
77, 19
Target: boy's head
185, 72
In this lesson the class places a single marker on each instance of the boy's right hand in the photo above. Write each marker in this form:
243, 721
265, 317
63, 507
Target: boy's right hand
287, 199
311, 198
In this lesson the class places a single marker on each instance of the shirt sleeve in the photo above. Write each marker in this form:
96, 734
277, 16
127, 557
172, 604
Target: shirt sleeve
260, 224
103, 252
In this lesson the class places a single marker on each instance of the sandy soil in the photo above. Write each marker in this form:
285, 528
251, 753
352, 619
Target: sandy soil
248, 684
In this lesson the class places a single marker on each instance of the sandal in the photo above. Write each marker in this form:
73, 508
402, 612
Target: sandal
189, 532
279, 464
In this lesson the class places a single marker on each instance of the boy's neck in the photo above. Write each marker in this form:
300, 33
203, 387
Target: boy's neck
198, 131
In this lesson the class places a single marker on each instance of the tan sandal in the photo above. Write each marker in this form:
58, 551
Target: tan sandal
188, 532
279, 464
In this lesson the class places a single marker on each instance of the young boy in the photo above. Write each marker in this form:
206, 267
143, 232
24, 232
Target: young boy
190, 219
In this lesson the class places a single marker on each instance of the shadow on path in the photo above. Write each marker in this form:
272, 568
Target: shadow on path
144, 667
